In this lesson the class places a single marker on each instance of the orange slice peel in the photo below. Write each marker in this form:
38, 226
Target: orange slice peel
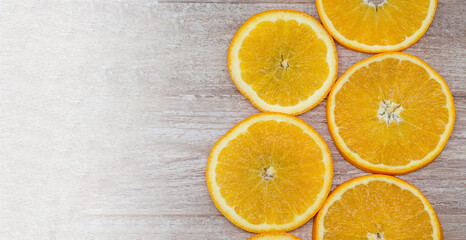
270, 172
390, 113
376, 207
283, 61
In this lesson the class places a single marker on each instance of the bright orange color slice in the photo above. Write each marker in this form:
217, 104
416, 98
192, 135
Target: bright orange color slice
390, 113
270, 172
376, 207
376, 25
275, 236
283, 61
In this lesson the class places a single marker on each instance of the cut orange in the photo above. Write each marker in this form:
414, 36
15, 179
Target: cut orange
275, 236
283, 61
376, 25
390, 113
376, 207
271, 172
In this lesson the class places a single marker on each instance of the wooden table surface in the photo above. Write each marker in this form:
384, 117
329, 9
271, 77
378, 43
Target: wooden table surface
108, 111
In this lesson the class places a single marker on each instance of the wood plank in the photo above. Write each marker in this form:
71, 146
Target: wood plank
240, 1
205, 227
259, 1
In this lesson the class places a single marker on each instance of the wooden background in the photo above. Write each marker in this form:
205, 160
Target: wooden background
108, 111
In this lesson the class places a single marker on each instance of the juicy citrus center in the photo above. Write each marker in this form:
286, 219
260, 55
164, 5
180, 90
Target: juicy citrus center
268, 173
271, 173
391, 112
283, 61
375, 3
375, 236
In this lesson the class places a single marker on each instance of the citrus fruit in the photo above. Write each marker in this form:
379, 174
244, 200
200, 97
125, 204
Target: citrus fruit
390, 113
283, 61
270, 172
275, 236
376, 207
376, 25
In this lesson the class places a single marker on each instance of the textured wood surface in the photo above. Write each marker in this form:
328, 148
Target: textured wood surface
108, 111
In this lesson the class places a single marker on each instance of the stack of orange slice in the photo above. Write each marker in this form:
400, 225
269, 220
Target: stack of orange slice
390, 113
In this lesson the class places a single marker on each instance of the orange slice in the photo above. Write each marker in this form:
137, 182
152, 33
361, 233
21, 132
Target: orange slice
275, 236
376, 207
271, 172
376, 25
283, 61
390, 113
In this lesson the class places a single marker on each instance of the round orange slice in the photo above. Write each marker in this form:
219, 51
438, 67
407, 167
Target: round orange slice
283, 61
390, 113
376, 25
275, 236
270, 172
376, 207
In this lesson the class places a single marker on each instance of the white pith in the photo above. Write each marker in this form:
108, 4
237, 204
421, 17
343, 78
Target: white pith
389, 111
375, 236
372, 4
268, 173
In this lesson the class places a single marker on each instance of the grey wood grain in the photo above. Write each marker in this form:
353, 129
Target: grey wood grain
108, 111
